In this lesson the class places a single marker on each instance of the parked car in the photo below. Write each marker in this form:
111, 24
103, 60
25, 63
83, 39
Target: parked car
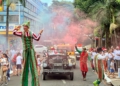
40, 49
57, 62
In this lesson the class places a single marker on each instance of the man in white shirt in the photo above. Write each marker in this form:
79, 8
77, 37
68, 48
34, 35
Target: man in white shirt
117, 58
93, 54
19, 63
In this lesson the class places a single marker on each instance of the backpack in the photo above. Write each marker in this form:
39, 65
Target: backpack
14, 58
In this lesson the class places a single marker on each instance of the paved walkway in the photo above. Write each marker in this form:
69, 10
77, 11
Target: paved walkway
114, 81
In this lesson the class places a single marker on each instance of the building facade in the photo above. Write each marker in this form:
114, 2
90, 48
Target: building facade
19, 16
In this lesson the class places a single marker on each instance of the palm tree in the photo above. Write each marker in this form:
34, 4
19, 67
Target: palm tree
10, 3
103, 11
106, 12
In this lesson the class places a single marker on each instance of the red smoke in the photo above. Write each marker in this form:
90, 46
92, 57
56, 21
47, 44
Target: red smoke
76, 31
73, 29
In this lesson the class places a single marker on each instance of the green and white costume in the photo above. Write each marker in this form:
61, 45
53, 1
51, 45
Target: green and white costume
98, 61
29, 58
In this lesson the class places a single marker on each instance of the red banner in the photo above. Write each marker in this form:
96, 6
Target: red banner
79, 45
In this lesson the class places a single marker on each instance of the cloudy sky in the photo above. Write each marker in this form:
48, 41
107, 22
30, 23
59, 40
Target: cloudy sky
50, 1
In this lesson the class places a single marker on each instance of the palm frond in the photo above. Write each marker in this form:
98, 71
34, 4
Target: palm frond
97, 31
112, 27
117, 1
23, 2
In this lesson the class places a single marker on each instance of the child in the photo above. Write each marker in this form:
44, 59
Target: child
112, 69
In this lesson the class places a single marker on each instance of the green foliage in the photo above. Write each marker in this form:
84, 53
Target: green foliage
8, 2
103, 11
84, 5
117, 1
22, 2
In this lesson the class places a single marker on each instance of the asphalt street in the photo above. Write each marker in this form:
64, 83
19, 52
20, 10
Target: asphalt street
60, 80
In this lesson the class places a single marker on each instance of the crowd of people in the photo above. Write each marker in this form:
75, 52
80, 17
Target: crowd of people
102, 61
11, 63
12, 60
111, 60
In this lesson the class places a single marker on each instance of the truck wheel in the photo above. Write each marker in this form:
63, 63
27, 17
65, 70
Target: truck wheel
44, 76
74, 66
71, 76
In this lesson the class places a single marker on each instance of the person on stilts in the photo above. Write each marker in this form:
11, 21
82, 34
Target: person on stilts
29, 59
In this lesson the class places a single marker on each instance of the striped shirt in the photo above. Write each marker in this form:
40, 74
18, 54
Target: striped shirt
27, 34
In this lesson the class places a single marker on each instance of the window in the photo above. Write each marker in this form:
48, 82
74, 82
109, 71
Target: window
34, 9
14, 18
1, 18
26, 3
25, 19
16, 2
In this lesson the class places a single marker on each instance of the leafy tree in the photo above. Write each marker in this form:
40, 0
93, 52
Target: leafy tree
102, 11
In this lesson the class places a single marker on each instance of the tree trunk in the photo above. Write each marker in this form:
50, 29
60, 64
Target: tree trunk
101, 32
115, 38
7, 26
108, 39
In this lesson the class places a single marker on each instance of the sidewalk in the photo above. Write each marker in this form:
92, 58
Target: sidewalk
114, 81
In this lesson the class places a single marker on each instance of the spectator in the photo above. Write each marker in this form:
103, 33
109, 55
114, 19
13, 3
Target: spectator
4, 68
14, 64
9, 67
112, 68
117, 58
105, 59
19, 63
12, 53
93, 54
110, 57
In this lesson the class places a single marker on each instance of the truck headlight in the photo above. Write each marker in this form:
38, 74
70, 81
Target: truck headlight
70, 64
44, 64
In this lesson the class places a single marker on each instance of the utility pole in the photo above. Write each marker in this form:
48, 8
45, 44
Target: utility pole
7, 26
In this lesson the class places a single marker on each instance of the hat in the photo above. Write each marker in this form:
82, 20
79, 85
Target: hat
99, 50
104, 49
27, 24
84, 48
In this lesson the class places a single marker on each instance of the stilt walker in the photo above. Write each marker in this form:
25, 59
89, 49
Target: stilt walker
99, 67
29, 59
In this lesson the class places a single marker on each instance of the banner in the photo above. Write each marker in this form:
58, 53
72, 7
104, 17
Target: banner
3, 27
